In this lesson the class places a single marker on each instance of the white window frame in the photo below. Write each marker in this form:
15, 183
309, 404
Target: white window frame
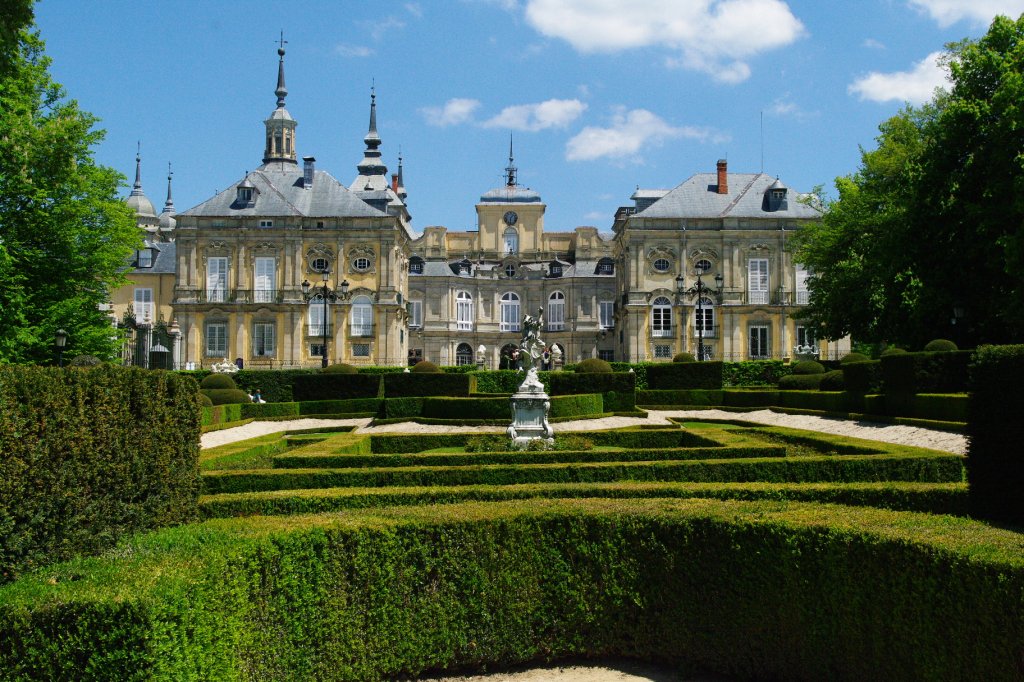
606, 314
416, 266
362, 263
315, 316
510, 239
463, 311
216, 279
803, 295
707, 308
144, 305
145, 258
556, 311
415, 308
508, 309
361, 316
661, 318
757, 281
216, 339
665, 262
759, 342
463, 358
266, 223
264, 335
264, 279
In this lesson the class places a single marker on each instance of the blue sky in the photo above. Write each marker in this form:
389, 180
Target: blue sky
600, 96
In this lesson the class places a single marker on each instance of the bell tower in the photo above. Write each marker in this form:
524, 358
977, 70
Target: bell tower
280, 125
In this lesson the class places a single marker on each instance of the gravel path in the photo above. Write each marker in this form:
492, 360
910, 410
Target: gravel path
888, 433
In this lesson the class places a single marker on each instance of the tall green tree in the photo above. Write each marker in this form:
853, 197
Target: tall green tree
64, 233
930, 226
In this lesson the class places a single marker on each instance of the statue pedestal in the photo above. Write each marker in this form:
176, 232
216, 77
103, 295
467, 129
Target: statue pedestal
530, 406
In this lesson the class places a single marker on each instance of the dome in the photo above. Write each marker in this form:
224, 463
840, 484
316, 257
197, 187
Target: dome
167, 221
141, 204
511, 195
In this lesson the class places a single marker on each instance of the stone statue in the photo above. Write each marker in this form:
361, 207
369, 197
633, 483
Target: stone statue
530, 403
532, 346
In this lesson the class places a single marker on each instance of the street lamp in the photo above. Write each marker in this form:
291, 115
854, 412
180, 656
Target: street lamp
699, 290
309, 292
60, 339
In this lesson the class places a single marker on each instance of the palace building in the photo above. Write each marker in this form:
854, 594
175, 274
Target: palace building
289, 267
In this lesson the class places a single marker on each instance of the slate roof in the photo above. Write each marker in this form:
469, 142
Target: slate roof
165, 254
281, 192
697, 198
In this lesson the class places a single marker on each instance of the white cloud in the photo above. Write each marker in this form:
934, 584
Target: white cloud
414, 9
378, 29
713, 36
948, 12
629, 133
784, 107
354, 50
455, 111
873, 44
554, 113
915, 86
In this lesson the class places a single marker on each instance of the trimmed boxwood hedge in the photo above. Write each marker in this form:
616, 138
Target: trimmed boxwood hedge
767, 590
90, 455
275, 385
938, 372
690, 397
336, 386
995, 430
680, 375
863, 377
428, 384
221, 414
294, 409
618, 388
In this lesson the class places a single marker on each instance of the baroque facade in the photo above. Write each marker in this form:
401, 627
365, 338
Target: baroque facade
252, 266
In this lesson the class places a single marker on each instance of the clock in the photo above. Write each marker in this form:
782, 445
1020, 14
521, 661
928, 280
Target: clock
511, 217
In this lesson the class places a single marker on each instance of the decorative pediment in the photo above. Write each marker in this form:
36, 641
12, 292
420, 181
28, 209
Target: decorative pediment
761, 246
320, 250
703, 252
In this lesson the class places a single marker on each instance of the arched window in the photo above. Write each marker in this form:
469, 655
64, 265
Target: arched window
463, 311
556, 312
704, 317
463, 354
509, 357
361, 317
661, 317
511, 239
509, 312
318, 324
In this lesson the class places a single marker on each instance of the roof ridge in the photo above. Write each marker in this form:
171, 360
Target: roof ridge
742, 193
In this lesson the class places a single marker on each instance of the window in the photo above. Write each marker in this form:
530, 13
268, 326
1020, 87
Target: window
318, 324
704, 317
316, 350
463, 311
463, 354
361, 317
416, 266
216, 279
803, 296
361, 264
510, 270
415, 310
757, 280
263, 339
320, 224
216, 339
465, 267
265, 279
758, 338
556, 312
511, 240
662, 264
606, 355
555, 270
145, 258
360, 350
266, 223
319, 265
245, 194
703, 266
661, 317
509, 312
606, 311
662, 351
606, 266
415, 355
144, 305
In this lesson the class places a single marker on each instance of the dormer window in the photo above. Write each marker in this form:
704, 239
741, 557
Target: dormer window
555, 269
775, 197
416, 266
465, 267
510, 270
606, 266
245, 195
145, 258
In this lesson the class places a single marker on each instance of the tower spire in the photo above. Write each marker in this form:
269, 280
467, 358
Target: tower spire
280, 125
510, 170
137, 188
372, 171
169, 204
282, 90
372, 138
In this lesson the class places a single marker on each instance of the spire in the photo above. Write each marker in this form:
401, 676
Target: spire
169, 204
281, 90
137, 188
145, 216
402, 194
372, 139
372, 171
510, 170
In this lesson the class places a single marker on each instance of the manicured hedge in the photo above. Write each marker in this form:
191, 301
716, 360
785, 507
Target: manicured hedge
825, 401
765, 590
336, 386
800, 382
489, 409
684, 397
940, 372
221, 414
680, 375
88, 456
618, 388
275, 385
496, 381
995, 430
754, 372
863, 377
412, 384
750, 398
354, 406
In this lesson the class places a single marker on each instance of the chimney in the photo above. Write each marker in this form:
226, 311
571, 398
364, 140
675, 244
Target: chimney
723, 176
394, 183
308, 166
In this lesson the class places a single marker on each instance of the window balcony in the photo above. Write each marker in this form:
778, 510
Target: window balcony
662, 333
245, 296
319, 329
357, 331
708, 331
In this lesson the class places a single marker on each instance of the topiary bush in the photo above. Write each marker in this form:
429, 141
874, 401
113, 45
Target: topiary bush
684, 357
832, 381
205, 401
940, 346
806, 367
801, 382
853, 357
85, 361
340, 368
425, 366
892, 350
226, 396
593, 366
218, 381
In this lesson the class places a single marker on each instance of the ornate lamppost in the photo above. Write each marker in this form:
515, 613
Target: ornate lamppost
699, 290
309, 292
60, 339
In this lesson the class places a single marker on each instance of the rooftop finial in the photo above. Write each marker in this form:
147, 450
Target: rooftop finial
169, 204
510, 170
281, 90
138, 167
372, 139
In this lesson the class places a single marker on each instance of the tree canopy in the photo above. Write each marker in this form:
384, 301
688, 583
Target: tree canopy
65, 235
929, 229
